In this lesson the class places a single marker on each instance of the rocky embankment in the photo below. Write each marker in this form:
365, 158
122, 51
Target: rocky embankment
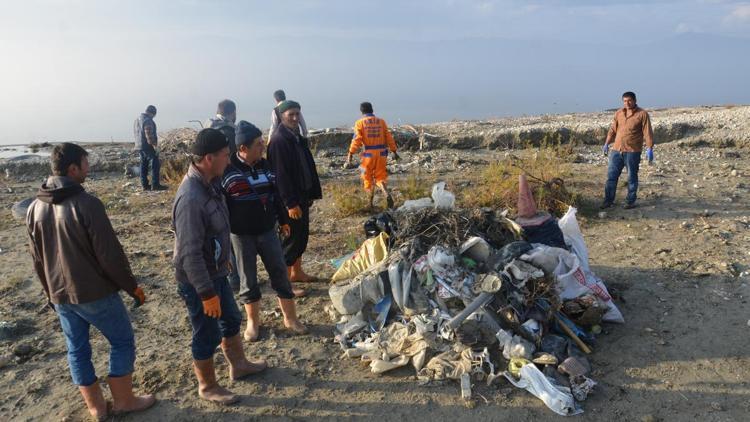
717, 126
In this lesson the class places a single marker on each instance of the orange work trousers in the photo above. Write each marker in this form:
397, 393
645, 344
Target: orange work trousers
372, 166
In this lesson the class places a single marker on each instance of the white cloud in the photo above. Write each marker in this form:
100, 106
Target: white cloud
740, 14
682, 28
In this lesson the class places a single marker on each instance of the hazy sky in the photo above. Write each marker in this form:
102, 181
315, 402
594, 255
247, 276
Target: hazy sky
76, 70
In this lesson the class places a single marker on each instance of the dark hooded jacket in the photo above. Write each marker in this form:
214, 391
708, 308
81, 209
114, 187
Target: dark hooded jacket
293, 164
75, 249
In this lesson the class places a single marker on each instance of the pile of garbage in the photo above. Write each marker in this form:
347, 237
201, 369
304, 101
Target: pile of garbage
472, 296
177, 141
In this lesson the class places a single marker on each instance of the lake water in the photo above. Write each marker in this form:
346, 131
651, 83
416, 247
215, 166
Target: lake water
11, 151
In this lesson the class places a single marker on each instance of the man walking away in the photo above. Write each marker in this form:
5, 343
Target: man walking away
372, 133
82, 267
630, 130
146, 144
298, 184
200, 219
280, 97
254, 209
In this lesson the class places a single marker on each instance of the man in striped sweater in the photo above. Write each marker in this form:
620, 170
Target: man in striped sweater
254, 209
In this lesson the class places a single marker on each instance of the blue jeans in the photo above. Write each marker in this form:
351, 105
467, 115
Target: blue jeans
110, 317
207, 331
149, 159
617, 161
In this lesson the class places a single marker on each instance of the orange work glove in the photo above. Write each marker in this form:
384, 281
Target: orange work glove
295, 213
285, 230
139, 296
212, 307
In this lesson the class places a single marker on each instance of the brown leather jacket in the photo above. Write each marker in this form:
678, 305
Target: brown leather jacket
76, 253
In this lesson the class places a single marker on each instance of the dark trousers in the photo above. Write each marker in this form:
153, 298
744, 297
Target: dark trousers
618, 161
268, 246
149, 159
207, 331
296, 244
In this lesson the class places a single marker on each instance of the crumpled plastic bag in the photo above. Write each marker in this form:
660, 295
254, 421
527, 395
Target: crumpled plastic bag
371, 252
514, 346
442, 198
572, 278
396, 347
415, 204
558, 399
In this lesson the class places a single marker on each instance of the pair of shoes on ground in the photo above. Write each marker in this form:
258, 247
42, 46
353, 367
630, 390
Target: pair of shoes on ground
627, 206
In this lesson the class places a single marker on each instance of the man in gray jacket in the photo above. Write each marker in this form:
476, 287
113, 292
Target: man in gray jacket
82, 267
144, 130
224, 122
201, 255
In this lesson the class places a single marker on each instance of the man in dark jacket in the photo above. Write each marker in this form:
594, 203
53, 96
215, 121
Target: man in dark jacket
254, 208
224, 122
280, 96
200, 220
226, 115
144, 130
298, 184
82, 267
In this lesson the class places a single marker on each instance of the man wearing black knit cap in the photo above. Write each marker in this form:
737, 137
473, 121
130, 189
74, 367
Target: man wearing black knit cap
298, 184
200, 220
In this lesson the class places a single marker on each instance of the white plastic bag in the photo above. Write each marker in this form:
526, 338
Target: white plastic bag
415, 204
558, 399
441, 197
573, 236
574, 280
440, 260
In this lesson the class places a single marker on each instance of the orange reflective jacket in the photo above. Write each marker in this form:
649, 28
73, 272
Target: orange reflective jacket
372, 133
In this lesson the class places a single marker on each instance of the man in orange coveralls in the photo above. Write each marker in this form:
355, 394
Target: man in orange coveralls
372, 133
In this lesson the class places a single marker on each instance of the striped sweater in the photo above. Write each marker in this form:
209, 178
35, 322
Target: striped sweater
252, 198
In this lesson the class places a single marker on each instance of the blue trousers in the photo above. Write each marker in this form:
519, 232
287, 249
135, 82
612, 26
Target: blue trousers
149, 159
207, 331
617, 161
110, 317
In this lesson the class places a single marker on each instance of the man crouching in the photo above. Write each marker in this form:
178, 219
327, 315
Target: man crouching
201, 254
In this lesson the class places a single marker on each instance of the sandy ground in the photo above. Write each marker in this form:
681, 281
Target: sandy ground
676, 261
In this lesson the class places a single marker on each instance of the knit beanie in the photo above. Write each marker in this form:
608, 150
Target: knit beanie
246, 133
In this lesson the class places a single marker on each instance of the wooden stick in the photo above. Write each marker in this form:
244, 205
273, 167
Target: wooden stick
573, 336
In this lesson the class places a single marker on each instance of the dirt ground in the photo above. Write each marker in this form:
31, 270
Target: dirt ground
679, 262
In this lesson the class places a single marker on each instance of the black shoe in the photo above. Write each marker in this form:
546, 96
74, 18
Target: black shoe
605, 205
629, 206
146, 188
159, 187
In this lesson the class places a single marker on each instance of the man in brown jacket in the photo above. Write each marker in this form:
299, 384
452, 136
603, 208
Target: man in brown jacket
82, 267
630, 130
